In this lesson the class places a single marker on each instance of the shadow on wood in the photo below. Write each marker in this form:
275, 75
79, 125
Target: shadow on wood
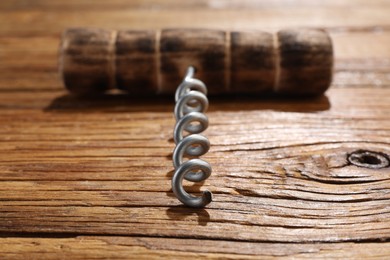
128, 103
182, 212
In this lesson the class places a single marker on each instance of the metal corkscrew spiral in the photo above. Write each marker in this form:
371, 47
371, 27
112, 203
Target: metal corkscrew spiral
191, 103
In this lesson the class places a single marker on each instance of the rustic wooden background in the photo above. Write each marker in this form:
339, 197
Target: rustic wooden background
91, 178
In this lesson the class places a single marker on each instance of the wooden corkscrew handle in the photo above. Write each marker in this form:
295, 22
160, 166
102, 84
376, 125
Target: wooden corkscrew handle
296, 62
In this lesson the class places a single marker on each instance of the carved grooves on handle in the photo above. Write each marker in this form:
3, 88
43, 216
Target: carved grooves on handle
149, 62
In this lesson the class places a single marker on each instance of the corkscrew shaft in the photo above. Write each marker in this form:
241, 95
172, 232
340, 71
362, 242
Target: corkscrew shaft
191, 103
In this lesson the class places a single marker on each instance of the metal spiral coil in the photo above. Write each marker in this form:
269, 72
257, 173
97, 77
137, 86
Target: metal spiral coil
191, 103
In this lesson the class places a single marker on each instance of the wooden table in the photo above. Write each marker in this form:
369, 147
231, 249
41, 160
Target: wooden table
91, 178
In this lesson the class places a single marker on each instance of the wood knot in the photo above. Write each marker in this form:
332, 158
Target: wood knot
369, 159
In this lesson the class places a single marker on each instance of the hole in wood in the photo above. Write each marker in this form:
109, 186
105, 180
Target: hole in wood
369, 159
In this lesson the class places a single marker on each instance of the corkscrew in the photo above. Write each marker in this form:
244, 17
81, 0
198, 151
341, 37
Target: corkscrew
191, 104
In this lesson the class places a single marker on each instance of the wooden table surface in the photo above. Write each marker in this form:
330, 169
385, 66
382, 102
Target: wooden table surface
91, 178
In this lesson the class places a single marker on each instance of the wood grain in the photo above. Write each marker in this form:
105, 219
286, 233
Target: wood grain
90, 178
103, 247
69, 169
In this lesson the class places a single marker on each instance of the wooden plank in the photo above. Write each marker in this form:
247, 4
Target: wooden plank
87, 247
49, 23
30, 64
172, 4
280, 169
